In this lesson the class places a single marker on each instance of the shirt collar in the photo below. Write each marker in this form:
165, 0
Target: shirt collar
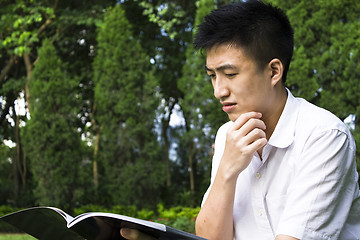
284, 132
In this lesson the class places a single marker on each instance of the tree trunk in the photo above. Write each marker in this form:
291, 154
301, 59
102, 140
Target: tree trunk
16, 159
191, 172
95, 163
97, 131
6, 69
165, 126
28, 66
20, 161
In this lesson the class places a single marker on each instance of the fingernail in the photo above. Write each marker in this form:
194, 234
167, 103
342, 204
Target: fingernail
125, 232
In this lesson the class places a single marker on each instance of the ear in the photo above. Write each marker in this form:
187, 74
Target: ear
276, 67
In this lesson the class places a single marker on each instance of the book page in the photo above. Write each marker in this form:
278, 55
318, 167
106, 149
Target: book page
66, 216
106, 226
42, 223
153, 225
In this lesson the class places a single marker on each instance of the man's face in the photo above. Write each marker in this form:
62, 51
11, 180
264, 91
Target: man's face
238, 83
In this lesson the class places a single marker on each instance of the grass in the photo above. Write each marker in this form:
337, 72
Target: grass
16, 237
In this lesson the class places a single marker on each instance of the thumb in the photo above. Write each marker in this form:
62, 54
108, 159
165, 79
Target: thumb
133, 234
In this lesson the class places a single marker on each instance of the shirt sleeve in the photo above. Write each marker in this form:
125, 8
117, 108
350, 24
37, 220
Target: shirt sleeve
323, 188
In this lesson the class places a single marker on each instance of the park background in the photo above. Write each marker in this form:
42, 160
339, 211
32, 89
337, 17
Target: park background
106, 106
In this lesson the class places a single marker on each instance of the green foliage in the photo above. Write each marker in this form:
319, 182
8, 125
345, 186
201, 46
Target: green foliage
5, 171
126, 99
7, 209
5, 227
18, 25
178, 211
202, 113
166, 15
16, 237
124, 73
146, 214
50, 138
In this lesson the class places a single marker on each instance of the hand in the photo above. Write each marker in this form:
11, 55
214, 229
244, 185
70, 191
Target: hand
133, 234
243, 138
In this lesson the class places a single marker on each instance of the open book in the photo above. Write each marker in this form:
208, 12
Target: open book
47, 223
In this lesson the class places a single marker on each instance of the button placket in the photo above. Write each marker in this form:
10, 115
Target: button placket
258, 194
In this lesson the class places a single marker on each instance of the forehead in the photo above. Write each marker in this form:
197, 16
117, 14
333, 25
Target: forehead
226, 55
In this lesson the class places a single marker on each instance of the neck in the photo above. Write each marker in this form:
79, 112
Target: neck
272, 117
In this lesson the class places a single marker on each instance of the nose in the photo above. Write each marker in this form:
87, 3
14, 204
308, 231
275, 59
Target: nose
221, 89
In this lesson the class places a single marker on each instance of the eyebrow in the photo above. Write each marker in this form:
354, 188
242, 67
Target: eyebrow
222, 67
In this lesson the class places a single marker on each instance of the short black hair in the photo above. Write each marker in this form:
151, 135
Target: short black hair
261, 30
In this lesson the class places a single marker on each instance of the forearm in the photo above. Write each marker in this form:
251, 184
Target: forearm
215, 220
243, 138
285, 237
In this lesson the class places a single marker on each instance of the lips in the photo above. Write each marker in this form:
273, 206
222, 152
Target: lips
228, 106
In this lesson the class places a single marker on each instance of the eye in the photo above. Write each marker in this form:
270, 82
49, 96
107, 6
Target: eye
231, 75
212, 76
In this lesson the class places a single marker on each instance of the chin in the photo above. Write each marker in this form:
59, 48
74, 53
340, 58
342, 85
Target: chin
233, 117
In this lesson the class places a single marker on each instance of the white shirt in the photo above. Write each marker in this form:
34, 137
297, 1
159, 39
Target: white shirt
306, 185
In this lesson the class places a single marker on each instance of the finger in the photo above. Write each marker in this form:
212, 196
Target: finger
250, 125
252, 141
243, 118
133, 234
255, 135
239, 134
256, 145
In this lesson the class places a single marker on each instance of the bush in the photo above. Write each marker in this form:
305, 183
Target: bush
146, 214
182, 218
5, 227
5, 209
89, 208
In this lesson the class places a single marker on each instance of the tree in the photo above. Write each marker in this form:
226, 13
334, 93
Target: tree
21, 23
23, 27
165, 34
6, 155
202, 112
126, 99
50, 137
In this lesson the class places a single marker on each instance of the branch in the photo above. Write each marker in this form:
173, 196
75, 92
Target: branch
6, 69
56, 4
42, 27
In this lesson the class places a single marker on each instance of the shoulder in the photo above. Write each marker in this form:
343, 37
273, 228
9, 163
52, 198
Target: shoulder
221, 133
220, 139
318, 130
316, 120
223, 128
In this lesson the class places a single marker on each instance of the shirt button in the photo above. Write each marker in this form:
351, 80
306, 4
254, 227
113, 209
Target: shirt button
259, 212
257, 175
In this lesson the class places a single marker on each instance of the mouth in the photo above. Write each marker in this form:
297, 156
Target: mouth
228, 106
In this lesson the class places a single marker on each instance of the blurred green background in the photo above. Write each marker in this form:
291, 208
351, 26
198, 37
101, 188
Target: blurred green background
107, 102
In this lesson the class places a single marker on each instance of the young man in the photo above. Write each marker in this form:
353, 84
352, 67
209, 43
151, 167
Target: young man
283, 168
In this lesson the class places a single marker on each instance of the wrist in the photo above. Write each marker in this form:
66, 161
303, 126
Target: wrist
228, 174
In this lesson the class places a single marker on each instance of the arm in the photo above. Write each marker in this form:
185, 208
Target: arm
244, 137
285, 237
